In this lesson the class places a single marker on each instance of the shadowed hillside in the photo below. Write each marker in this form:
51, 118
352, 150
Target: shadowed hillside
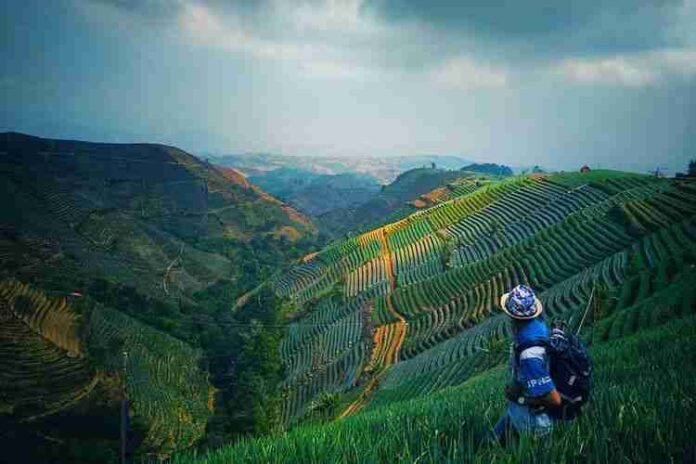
390, 203
143, 249
147, 216
316, 194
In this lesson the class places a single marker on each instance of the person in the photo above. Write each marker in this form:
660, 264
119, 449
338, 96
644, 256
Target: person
531, 394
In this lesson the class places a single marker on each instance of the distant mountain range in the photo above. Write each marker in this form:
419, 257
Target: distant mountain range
383, 169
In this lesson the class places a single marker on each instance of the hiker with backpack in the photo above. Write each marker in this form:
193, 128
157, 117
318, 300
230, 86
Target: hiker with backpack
550, 370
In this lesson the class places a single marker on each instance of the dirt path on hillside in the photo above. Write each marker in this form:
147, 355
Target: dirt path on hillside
395, 349
382, 356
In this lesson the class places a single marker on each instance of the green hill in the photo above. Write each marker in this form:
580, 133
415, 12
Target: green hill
141, 248
149, 217
489, 168
391, 203
315, 194
400, 327
386, 346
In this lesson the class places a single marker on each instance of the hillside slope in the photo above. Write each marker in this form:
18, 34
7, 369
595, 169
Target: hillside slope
315, 194
64, 364
650, 420
411, 307
135, 248
389, 204
150, 217
400, 326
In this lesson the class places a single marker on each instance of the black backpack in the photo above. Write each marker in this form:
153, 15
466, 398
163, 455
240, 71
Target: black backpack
571, 370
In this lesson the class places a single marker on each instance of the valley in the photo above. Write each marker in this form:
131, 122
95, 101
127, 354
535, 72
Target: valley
347, 232
219, 312
143, 248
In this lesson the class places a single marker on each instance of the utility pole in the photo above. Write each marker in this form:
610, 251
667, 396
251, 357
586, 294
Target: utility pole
124, 410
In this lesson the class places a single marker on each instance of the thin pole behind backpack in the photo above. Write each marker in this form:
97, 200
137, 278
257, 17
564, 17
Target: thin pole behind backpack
589, 302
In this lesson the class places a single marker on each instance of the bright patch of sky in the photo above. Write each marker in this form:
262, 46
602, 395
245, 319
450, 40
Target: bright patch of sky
549, 82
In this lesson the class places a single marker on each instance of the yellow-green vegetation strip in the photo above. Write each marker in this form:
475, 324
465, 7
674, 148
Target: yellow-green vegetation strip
642, 410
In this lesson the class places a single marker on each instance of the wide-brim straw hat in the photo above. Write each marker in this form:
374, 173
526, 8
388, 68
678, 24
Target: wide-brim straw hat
538, 308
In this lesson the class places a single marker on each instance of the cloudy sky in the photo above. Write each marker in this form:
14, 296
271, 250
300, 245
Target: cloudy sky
610, 83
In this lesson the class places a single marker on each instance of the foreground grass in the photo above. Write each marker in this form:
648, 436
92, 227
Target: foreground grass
643, 410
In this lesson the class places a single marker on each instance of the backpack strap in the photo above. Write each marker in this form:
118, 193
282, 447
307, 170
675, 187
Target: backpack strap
520, 347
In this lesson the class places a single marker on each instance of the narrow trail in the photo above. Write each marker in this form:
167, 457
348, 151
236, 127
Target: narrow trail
360, 401
387, 338
400, 325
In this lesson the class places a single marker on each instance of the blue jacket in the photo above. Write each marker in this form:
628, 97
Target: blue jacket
530, 367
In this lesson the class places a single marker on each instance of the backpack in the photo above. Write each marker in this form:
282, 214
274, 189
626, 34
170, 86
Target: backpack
570, 369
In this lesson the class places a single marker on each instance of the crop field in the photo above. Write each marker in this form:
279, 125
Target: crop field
410, 308
164, 383
42, 369
640, 412
456, 188
49, 317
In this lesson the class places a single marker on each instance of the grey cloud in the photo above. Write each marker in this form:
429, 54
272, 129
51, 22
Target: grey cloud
418, 36
545, 27
146, 8
167, 8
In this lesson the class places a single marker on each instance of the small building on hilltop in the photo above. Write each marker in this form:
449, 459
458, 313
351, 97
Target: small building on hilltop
585, 168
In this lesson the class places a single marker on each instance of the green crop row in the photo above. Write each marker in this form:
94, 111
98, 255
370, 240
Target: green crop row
638, 413
566, 300
563, 237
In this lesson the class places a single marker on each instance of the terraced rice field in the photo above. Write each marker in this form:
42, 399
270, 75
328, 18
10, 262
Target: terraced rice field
42, 369
411, 307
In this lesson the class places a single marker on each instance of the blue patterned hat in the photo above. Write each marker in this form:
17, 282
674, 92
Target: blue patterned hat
521, 303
